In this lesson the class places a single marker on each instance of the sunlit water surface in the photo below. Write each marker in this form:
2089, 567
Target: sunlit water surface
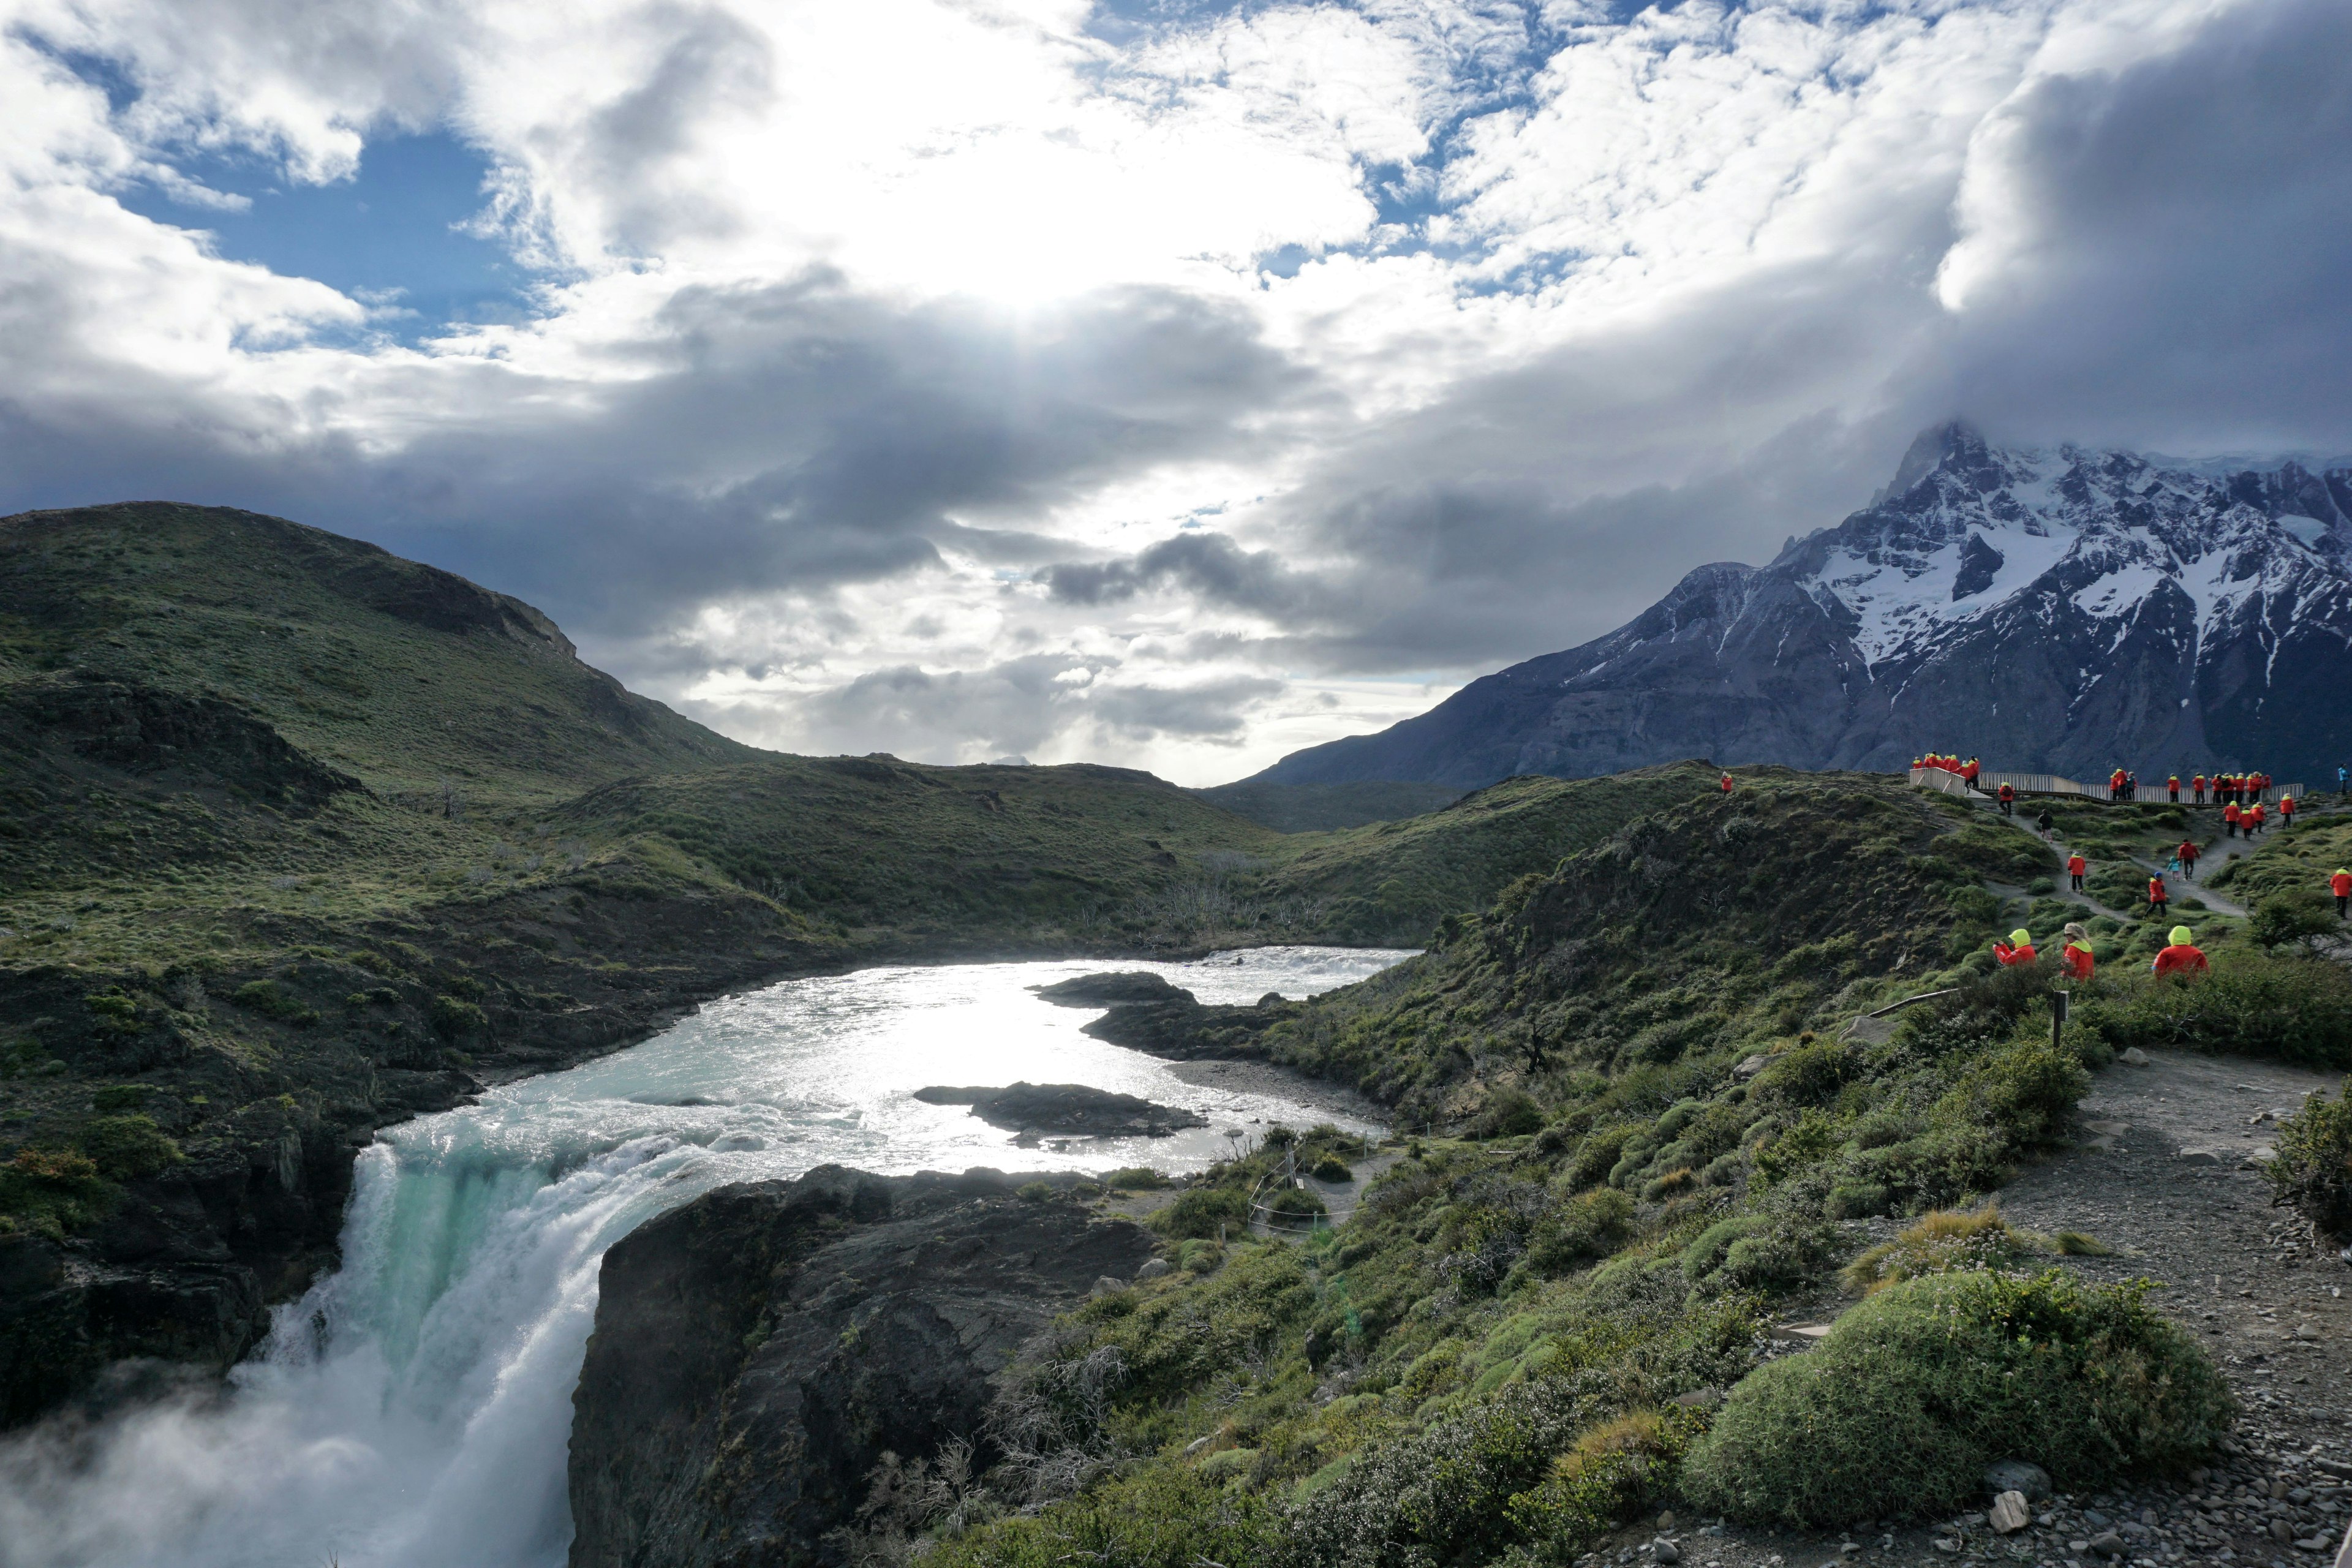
413, 1409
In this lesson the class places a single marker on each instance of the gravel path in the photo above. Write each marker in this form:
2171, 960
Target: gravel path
2163, 1175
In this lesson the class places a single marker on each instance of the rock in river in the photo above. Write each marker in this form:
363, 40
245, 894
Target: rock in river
1071, 1109
757, 1352
1112, 989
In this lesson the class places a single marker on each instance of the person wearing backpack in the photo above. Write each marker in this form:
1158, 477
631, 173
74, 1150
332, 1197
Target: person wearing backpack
2076, 869
2007, 798
2158, 900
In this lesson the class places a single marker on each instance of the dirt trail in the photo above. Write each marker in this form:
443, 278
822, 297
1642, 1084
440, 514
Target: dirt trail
2163, 1173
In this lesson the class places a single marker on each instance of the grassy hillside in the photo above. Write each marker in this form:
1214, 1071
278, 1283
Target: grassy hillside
297, 838
1324, 808
1664, 1125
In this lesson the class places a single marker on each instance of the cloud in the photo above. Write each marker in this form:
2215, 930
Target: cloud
1170, 385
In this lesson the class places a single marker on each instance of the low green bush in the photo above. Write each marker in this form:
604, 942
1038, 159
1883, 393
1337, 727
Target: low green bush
1135, 1179
1579, 1231
51, 1191
268, 998
1508, 1114
126, 1147
2296, 1009
1897, 1412
1332, 1168
2312, 1171
454, 1019
1199, 1212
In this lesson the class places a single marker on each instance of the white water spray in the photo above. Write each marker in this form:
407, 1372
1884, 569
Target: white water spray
412, 1410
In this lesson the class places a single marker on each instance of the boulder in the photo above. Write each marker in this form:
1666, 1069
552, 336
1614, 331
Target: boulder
757, 1352
1113, 990
1071, 1109
2016, 1475
1186, 1030
2133, 1057
2009, 1513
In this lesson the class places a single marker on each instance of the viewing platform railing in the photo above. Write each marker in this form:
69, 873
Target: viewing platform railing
1987, 784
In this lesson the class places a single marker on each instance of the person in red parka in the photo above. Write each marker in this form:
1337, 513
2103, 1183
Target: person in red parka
2340, 885
2007, 795
1971, 771
2286, 811
2255, 815
2018, 949
2198, 783
2230, 817
2076, 868
2173, 784
2183, 958
2157, 898
1727, 783
2076, 960
2187, 853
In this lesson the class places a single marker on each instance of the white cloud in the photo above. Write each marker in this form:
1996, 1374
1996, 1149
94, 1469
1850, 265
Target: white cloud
1347, 349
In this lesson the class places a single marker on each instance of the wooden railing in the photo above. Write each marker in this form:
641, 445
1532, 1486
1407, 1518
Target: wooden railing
2050, 783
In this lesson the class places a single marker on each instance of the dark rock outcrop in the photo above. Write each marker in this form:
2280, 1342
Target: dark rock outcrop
758, 1351
1111, 990
1071, 1109
1187, 1030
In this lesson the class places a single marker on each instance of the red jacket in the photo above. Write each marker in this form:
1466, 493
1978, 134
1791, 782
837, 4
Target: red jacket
2181, 960
2076, 962
2009, 954
2258, 815
2340, 885
2006, 793
2231, 812
2076, 865
2200, 781
2187, 852
2156, 893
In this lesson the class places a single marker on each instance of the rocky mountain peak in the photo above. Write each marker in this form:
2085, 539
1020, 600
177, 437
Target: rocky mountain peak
2068, 609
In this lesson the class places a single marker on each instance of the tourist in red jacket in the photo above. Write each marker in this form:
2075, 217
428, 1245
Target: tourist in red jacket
2018, 949
2340, 885
2187, 854
2157, 898
2229, 817
2076, 960
2075, 866
2198, 783
2007, 795
2286, 811
2183, 958
2173, 784
2255, 815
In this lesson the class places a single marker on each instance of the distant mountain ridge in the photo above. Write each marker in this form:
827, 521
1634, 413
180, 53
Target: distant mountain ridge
2065, 610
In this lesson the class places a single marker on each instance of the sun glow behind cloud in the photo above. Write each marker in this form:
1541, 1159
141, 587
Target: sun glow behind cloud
847, 341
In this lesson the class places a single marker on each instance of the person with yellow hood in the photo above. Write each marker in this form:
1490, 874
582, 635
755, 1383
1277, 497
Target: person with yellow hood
2340, 885
2076, 960
2184, 957
2018, 949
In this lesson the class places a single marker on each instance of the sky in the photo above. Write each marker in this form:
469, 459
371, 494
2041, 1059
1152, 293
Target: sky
1162, 384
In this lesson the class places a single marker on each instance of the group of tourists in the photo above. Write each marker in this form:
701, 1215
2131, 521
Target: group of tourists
2250, 819
1967, 770
2231, 789
2181, 955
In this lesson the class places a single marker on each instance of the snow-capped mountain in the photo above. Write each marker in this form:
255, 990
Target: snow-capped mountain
2063, 610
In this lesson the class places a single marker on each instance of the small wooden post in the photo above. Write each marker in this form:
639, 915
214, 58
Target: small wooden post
2057, 1017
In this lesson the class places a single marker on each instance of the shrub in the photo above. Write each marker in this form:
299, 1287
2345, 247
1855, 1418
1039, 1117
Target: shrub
1508, 1114
2295, 915
1035, 1192
1942, 1241
1915, 1391
2313, 1171
454, 1019
1332, 1168
1585, 1227
1295, 1204
2296, 1009
267, 998
125, 1147
1136, 1178
1199, 1212
1598, 1154
51, 1191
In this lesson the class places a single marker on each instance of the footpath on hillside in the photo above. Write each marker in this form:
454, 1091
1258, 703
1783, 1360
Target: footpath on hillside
2164, 1174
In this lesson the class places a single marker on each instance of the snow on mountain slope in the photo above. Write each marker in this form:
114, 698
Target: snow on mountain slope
2064, 609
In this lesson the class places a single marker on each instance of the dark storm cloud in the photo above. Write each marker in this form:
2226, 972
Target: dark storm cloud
793, 437
2177, 246
1015, 706
1209, 566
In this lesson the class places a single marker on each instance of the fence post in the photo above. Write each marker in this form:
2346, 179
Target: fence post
2057, 1019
